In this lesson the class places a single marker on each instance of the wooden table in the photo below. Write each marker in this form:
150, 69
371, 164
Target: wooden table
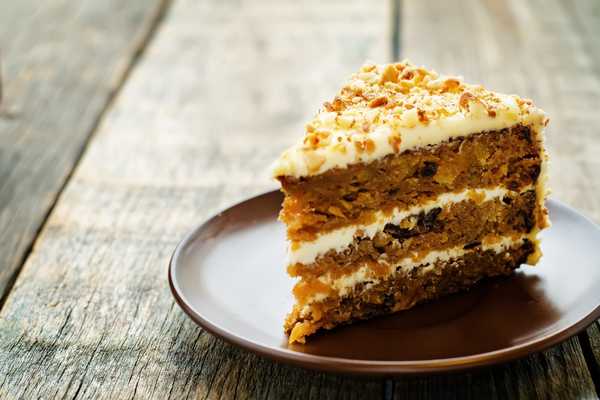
126, 123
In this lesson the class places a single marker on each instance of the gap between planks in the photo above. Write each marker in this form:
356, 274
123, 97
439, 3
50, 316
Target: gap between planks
138, 51
588, 353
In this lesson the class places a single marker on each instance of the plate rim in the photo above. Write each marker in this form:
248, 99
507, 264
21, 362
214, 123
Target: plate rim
369, 367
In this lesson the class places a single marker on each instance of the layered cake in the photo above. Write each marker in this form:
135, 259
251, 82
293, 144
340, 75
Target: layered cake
408, 186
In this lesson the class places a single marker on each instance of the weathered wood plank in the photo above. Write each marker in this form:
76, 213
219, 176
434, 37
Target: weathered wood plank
555, 374
550, 57
222, 89
61, 63
584, 17
590, 342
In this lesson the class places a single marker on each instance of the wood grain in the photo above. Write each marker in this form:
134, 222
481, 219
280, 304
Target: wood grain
550, 57
222, 89
590, 342
61, 63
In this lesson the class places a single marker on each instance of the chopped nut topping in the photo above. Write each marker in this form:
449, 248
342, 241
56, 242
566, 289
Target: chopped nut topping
335, 106
395, 141
408, 75
422, 116
450, 84
390, 74
464, 100
399, 97
311, 141
360, 147
378, 102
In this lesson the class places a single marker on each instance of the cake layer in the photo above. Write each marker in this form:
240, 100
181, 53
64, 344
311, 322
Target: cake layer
338, 240
466, 223
404, 289
509, 158
313, 288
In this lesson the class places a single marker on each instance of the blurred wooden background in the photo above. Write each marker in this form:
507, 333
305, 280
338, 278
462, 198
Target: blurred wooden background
124, 124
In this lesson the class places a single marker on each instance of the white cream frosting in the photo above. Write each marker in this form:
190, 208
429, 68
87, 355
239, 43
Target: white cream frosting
420, 109
346, 283
308, 252
296, 161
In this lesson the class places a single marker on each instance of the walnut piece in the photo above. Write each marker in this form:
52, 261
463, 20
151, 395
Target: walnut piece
390, 74
465, 98
378, 102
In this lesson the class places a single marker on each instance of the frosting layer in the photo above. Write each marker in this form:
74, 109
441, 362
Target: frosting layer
386, 109
308, 252
346, 283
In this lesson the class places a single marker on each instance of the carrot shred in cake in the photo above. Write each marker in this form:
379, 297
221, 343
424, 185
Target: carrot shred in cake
408, 186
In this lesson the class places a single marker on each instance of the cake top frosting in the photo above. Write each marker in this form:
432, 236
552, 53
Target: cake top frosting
390, 108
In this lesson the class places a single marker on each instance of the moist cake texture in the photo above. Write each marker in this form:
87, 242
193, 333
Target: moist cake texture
408, 186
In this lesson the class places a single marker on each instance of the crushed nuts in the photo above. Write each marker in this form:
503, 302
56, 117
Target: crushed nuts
465, 98
450, 84
394, 140
336, 106
378, 102
422, 116
390, 74
399, 96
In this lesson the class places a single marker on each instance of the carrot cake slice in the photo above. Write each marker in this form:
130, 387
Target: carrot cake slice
408, 186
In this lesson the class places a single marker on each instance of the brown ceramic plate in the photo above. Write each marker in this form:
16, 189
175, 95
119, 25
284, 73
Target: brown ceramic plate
229, 277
